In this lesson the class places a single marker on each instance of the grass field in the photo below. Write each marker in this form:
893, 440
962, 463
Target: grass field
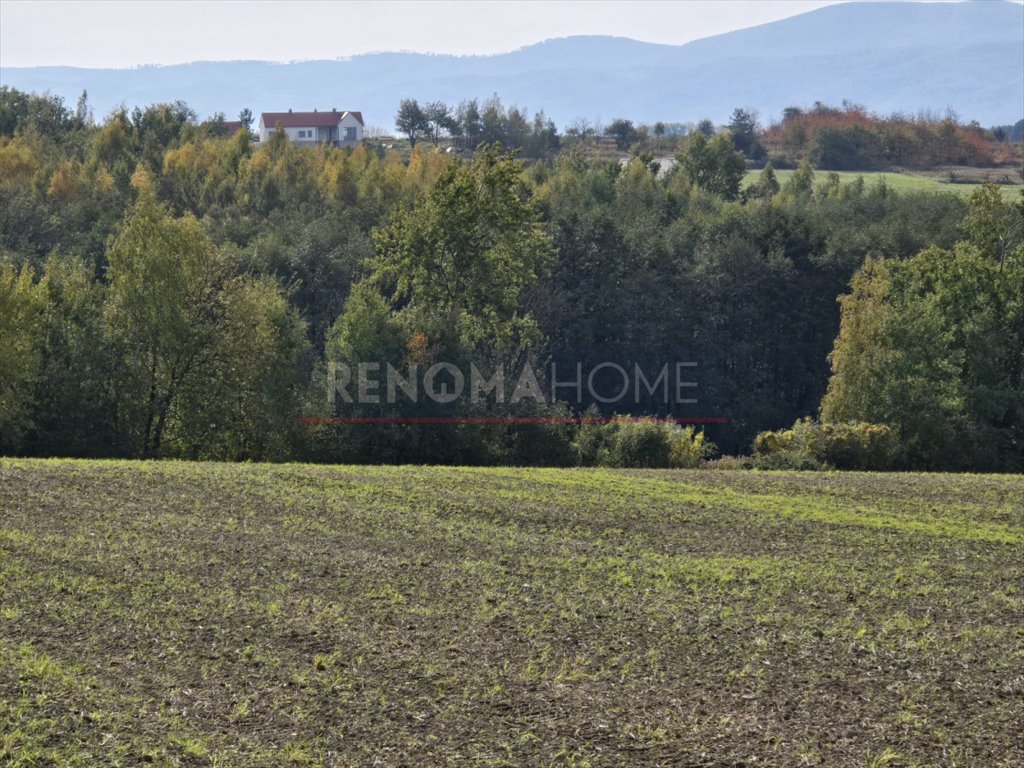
254, 615
901, 182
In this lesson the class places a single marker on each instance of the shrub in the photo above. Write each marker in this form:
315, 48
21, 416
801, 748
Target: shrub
640, 443
547, 442
729, 462
788, 460
769, 443
860, 445
810, 444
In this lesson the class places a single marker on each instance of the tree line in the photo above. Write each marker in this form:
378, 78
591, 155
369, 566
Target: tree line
841, 138
472, 123
169, 291
851, 138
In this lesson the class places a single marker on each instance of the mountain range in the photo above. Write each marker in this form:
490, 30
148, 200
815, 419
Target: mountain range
888, 56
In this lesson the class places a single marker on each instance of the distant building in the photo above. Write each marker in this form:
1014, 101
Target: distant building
342, 129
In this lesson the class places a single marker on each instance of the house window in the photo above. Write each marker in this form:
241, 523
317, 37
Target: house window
302, 134
350, 134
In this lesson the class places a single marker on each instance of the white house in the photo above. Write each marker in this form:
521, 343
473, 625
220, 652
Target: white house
342, 129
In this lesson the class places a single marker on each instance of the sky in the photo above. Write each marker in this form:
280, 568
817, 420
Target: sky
120, 33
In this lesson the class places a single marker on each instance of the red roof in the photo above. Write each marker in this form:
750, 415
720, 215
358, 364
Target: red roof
306, 119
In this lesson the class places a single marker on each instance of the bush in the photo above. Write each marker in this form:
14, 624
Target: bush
640, 443
541, 443
788, 460
860, 445
810, 444
729, 463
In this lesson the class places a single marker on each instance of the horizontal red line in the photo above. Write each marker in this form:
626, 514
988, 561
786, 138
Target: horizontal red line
498, 420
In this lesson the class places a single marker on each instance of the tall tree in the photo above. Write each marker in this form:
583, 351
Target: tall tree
767, 184
244, 402
83, 112
439, 119
743, 130
164, 275
935, 345
623, 131
544, 139
74, 405
246, 119
493, 121
800, 185
20, 359
412, 120
713, 165
471, 123
198, 352
460, 259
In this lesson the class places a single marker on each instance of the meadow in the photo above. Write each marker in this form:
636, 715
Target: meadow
189, 614
907, 181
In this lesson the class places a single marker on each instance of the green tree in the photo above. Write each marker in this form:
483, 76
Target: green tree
705, 127
83, 112
493, 121
412, 120
440, 119
448, 284
767, 185
460, 259
713, 165
623, 131
471, 123
992, 225
160, 317
544, 140
44, 114
846, 149
243, 404
20, 359
743, 130
246, 119
800, 185
74, 405
206, 362
157, 128
517, 128
935, 345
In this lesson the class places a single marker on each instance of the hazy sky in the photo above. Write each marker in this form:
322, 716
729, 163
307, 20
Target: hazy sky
121, 33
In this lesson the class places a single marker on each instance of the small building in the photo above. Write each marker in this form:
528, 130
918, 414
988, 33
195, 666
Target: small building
342, 129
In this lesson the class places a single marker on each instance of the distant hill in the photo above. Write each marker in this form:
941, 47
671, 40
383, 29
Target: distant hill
889, 56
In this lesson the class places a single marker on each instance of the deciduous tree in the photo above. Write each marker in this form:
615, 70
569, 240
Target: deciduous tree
713, 165
412, 120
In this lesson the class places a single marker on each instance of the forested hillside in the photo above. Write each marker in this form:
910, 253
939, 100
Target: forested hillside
166, 290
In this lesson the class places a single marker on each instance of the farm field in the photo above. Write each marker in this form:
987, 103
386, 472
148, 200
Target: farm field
272, 615
901, 182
